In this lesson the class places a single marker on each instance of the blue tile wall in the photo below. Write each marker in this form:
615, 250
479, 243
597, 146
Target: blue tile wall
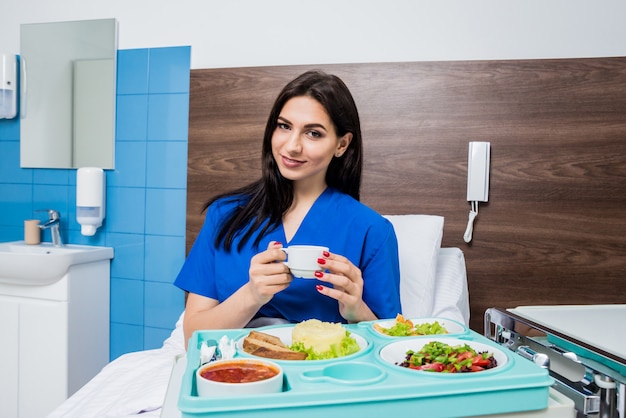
146, 195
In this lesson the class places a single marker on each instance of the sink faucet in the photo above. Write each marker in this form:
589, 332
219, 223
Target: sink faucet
53, 223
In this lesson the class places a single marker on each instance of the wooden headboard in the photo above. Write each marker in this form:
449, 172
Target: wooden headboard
554, 229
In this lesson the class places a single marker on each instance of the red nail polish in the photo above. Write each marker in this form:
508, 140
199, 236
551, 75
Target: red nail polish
325, 253
319, 287
277, 243
319, 274
321, 261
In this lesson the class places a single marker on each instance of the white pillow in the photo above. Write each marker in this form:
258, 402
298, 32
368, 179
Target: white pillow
451, 294
419, 240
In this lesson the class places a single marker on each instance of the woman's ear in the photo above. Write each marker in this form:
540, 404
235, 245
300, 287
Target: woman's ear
343, 144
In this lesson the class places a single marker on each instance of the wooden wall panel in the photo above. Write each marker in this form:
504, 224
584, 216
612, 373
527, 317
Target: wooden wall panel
554, 229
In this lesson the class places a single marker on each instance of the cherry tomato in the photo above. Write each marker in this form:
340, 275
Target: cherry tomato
479, 361
433, 367
464, 356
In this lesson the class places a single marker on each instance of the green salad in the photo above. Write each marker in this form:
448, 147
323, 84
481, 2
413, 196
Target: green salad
405, 328
438, 356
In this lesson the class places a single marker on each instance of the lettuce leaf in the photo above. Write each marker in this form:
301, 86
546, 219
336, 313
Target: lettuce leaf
347, 346
404, 329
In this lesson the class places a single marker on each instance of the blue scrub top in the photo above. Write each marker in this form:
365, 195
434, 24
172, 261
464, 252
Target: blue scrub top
337, 221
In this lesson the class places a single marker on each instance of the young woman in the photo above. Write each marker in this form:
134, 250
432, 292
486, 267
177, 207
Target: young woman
308, 194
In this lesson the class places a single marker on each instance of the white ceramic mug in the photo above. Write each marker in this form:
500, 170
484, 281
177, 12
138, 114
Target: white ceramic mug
302, 260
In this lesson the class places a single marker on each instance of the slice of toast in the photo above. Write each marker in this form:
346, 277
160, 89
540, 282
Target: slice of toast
279, 354
262, 336
257, 343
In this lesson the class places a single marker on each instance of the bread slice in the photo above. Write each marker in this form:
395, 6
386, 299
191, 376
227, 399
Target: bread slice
256, 343
262, 336
284, 354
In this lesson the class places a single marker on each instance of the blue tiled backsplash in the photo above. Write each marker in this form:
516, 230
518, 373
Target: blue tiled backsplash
146, 195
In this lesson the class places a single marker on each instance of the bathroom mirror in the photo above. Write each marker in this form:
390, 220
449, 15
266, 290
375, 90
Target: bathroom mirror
68, 89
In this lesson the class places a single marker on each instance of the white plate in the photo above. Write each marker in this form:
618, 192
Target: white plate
452, 327
395, 352
284, 333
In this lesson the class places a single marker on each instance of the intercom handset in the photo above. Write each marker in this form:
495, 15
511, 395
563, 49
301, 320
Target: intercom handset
478, 160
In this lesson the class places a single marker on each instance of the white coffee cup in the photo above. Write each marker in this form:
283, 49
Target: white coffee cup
302, 260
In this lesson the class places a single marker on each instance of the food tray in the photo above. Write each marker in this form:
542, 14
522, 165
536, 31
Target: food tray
372, 387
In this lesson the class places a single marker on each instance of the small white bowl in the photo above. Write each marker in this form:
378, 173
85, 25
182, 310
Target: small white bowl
210, 388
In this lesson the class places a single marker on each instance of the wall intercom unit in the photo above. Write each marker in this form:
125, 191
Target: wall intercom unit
478, 171
478, 161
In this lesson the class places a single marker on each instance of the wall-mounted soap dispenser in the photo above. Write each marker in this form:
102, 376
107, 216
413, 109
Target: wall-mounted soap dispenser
8, 86
90, 199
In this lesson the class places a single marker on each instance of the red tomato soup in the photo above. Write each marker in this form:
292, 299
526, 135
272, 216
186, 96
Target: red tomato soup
239, 372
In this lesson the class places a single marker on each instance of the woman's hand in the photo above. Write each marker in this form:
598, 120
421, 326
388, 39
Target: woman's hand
347, 287
268, 274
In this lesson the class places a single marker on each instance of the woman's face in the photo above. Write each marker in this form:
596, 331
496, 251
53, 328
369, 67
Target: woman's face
304, 142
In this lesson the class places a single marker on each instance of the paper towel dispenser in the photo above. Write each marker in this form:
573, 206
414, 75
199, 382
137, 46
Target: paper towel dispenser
90, 199
8, 86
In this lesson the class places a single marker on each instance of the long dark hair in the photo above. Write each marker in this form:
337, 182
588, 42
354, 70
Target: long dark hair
263, 202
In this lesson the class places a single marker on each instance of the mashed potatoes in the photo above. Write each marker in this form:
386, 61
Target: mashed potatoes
317, 335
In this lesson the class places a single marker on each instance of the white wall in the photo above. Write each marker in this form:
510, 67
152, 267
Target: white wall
231, 33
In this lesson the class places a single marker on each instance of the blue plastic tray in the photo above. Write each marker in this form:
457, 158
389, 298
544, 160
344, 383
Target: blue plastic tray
366, 385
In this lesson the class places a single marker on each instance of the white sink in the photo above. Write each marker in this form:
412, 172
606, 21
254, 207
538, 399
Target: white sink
43, 264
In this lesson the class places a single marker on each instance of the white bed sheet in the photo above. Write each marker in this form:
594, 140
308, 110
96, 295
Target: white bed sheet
136, 384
